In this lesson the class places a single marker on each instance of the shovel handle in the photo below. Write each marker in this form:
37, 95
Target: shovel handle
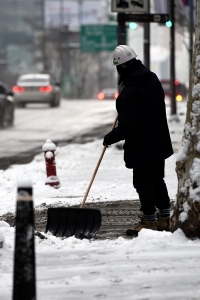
97, 167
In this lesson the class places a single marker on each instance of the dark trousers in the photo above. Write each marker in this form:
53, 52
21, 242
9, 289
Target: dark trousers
148, 180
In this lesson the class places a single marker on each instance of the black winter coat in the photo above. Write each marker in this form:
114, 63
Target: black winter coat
142, 121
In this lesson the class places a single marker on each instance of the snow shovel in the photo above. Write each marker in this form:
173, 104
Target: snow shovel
79, 222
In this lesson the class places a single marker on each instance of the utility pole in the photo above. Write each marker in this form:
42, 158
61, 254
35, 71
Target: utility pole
121, 34
191, 31
172, 58
64, 31
147, 40
44, 55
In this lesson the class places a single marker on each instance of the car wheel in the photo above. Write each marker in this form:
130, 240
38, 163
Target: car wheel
23, 105
58, 102
2, 118
53, 103
11, 118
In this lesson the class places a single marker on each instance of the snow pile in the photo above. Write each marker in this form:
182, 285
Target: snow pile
153, 266
183, 150
195, 180
196, 91
184, 214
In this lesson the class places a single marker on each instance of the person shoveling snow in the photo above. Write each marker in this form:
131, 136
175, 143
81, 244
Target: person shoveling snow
142, 123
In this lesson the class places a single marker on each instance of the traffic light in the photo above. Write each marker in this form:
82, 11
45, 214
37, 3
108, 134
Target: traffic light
168, 23
132, 25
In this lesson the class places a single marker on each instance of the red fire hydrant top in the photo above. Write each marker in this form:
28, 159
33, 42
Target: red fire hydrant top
48, 146
49, 149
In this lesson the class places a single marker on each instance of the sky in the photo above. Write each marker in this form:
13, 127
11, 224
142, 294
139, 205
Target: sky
155, 265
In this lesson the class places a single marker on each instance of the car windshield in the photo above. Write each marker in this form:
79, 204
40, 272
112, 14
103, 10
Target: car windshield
40, 80
109, 91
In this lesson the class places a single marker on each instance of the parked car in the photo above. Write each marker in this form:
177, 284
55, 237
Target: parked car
7, 106
36, 88
180, 89
110, 93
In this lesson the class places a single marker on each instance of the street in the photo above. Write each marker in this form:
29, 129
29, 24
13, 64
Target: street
76, 121
72, 121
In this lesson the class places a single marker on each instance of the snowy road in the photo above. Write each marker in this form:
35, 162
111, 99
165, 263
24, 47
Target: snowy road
34, 124
72, 121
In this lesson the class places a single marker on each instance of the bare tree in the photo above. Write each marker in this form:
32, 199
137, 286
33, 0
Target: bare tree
186, 212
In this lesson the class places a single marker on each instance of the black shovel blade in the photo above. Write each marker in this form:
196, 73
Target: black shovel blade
79, 222
53, 220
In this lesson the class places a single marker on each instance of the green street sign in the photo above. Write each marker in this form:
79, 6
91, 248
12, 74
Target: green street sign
97, 38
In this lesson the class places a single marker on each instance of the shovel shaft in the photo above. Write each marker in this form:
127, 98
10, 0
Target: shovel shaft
93, 176
97, 167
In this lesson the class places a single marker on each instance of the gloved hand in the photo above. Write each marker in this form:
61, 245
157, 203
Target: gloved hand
105, 143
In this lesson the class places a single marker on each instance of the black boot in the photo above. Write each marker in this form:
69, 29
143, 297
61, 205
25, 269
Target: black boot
163, 220
147, 222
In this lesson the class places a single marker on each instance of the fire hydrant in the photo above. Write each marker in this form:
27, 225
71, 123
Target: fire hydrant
49, 149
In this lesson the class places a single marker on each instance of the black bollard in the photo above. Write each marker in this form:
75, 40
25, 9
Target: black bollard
24, 285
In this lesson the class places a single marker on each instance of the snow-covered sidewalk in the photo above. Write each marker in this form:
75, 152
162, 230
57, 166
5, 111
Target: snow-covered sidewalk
156, 265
